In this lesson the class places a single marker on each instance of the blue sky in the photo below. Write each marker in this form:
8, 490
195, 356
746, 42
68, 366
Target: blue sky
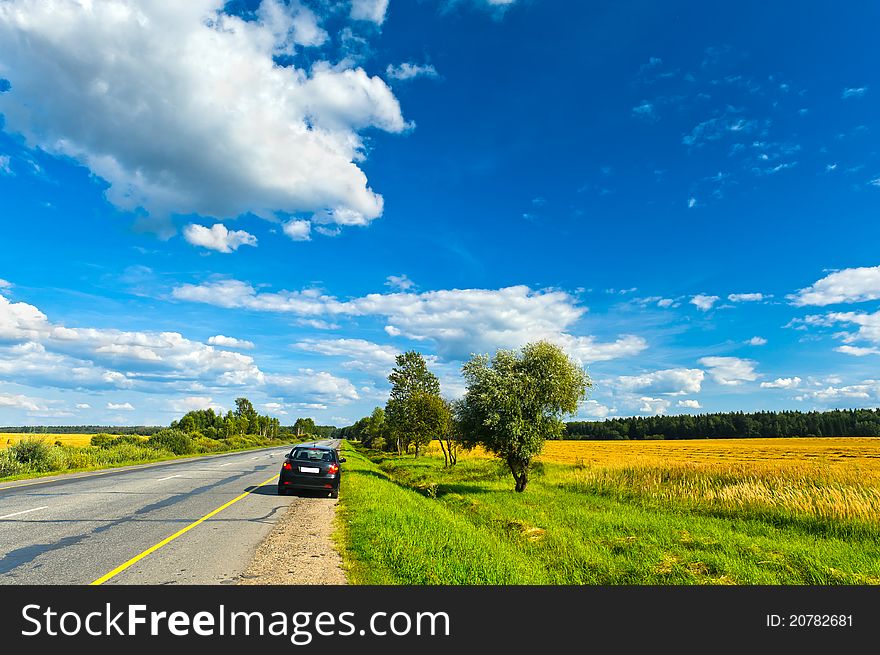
272, 198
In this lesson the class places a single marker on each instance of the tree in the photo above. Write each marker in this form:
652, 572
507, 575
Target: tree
450, 433
304, 426
411, 410
373, 433
514, 401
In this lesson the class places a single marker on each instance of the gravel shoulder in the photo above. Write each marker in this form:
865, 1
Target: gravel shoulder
300, 548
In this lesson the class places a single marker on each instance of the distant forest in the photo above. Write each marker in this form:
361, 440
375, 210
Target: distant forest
729, 425
733, 425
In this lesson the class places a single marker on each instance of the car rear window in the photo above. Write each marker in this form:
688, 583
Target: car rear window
312, 455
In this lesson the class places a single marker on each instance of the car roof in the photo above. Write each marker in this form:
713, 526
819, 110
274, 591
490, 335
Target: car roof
302, 445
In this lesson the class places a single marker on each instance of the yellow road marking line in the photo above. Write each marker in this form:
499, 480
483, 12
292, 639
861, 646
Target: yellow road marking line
137, 558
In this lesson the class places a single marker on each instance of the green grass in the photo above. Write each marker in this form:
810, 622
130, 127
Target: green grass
407, 521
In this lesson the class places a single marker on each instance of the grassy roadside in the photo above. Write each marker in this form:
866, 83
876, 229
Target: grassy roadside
58, 460
406, 521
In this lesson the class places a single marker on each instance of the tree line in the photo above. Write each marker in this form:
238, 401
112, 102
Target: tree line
732, 425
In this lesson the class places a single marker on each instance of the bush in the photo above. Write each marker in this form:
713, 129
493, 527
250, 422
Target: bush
125, 439
175, 441
205, 445
9, 464
34, 453
100, 440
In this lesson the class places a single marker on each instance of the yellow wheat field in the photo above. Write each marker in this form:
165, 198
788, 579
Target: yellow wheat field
7, 439
827, 478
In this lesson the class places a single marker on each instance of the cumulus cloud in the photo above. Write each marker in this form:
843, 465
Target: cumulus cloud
315, 386
19, 401
850, 285
369, 10
408, 71
83, 406
782, 383
757, 341
181, 107
218, 237
689, 404
857, 351
298, 230
672, 382
401, 282
121, 407
594, 409
362, 354
194, 403
869, 326
868, 390
648, 405
703, 302
730, 371
746, 297
230, 342
458, 321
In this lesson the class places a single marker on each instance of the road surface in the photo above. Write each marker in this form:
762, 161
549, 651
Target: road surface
114, 526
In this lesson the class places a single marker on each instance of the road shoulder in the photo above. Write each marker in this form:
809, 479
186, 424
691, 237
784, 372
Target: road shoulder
300, 548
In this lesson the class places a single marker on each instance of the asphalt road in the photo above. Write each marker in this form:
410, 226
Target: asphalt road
78, 529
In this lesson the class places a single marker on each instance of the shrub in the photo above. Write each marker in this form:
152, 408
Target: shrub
9, 464
125, 439
175, 441
205, 445
100, 440
34, 453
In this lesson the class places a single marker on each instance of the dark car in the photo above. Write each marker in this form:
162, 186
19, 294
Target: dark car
311, 467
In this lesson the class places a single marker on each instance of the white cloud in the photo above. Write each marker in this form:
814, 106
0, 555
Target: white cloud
854, 92
866, 390
230, 342
459, 321
648, 405
869, 325
692, 202
665, 302
857, 351
5, 168
192, 404
312, 387
5, 284
83, 406
34, 349
19, 401
401, 282
757, 341
730, 371
594, 409
672, 382
847, 286
122, 407
182, 109
782, 383
407, 71
277, 408
369, 10
703, 302
645, 110
218, 237
689, 404
298, 230
363, 354
746, 297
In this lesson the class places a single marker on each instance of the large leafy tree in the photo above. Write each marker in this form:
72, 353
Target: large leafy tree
516, 400
411, 412
304, 426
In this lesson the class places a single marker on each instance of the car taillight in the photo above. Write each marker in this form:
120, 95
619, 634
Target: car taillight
333, 468
286, 466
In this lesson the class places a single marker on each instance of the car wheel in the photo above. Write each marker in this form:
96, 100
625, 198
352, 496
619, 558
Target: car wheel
334, 493
282, 491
